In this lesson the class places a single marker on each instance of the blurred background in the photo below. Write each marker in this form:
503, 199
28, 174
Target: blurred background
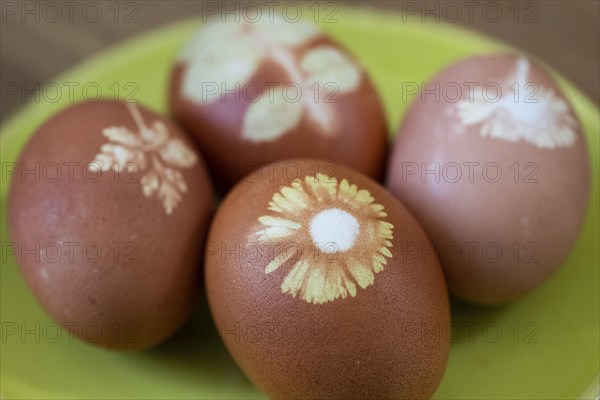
40, 39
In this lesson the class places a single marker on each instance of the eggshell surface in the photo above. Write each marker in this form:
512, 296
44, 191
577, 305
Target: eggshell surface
323, 285
258, 92
108, 210
498, 175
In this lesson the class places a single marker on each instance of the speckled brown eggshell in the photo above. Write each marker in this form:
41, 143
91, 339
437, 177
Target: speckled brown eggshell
498, 237
358, 137
387, 340
130, 275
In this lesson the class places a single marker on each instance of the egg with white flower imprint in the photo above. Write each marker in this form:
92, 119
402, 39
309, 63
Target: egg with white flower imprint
493, 161
96, 196
258, 92
323, 286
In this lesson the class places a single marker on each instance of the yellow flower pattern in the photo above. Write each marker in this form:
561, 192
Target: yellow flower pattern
331, 235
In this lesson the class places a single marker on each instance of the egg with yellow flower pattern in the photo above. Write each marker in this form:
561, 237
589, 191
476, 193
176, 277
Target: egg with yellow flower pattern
323, 285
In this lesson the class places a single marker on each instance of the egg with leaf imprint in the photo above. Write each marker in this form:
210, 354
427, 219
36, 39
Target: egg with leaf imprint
323, 285
98, 193
258, 92
493, 161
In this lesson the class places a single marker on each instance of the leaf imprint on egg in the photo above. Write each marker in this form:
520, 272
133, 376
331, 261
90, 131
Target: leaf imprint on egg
330, 237
524, 111
223, 56
151, 150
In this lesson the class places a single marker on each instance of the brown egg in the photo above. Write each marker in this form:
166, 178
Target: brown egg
257, 92
323, 285
497, 174
109, 209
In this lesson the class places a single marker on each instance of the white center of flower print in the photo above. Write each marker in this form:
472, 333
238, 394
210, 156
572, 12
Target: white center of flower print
224, 55
330, 237
334, 230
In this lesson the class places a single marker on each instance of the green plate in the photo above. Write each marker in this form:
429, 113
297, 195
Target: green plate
544, 346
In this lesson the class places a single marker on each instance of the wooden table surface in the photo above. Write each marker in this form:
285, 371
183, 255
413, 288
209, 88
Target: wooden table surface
39, 40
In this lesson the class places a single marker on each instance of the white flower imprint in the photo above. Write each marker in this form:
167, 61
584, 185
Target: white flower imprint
331, 236
541, 118
151, 150
227, 54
